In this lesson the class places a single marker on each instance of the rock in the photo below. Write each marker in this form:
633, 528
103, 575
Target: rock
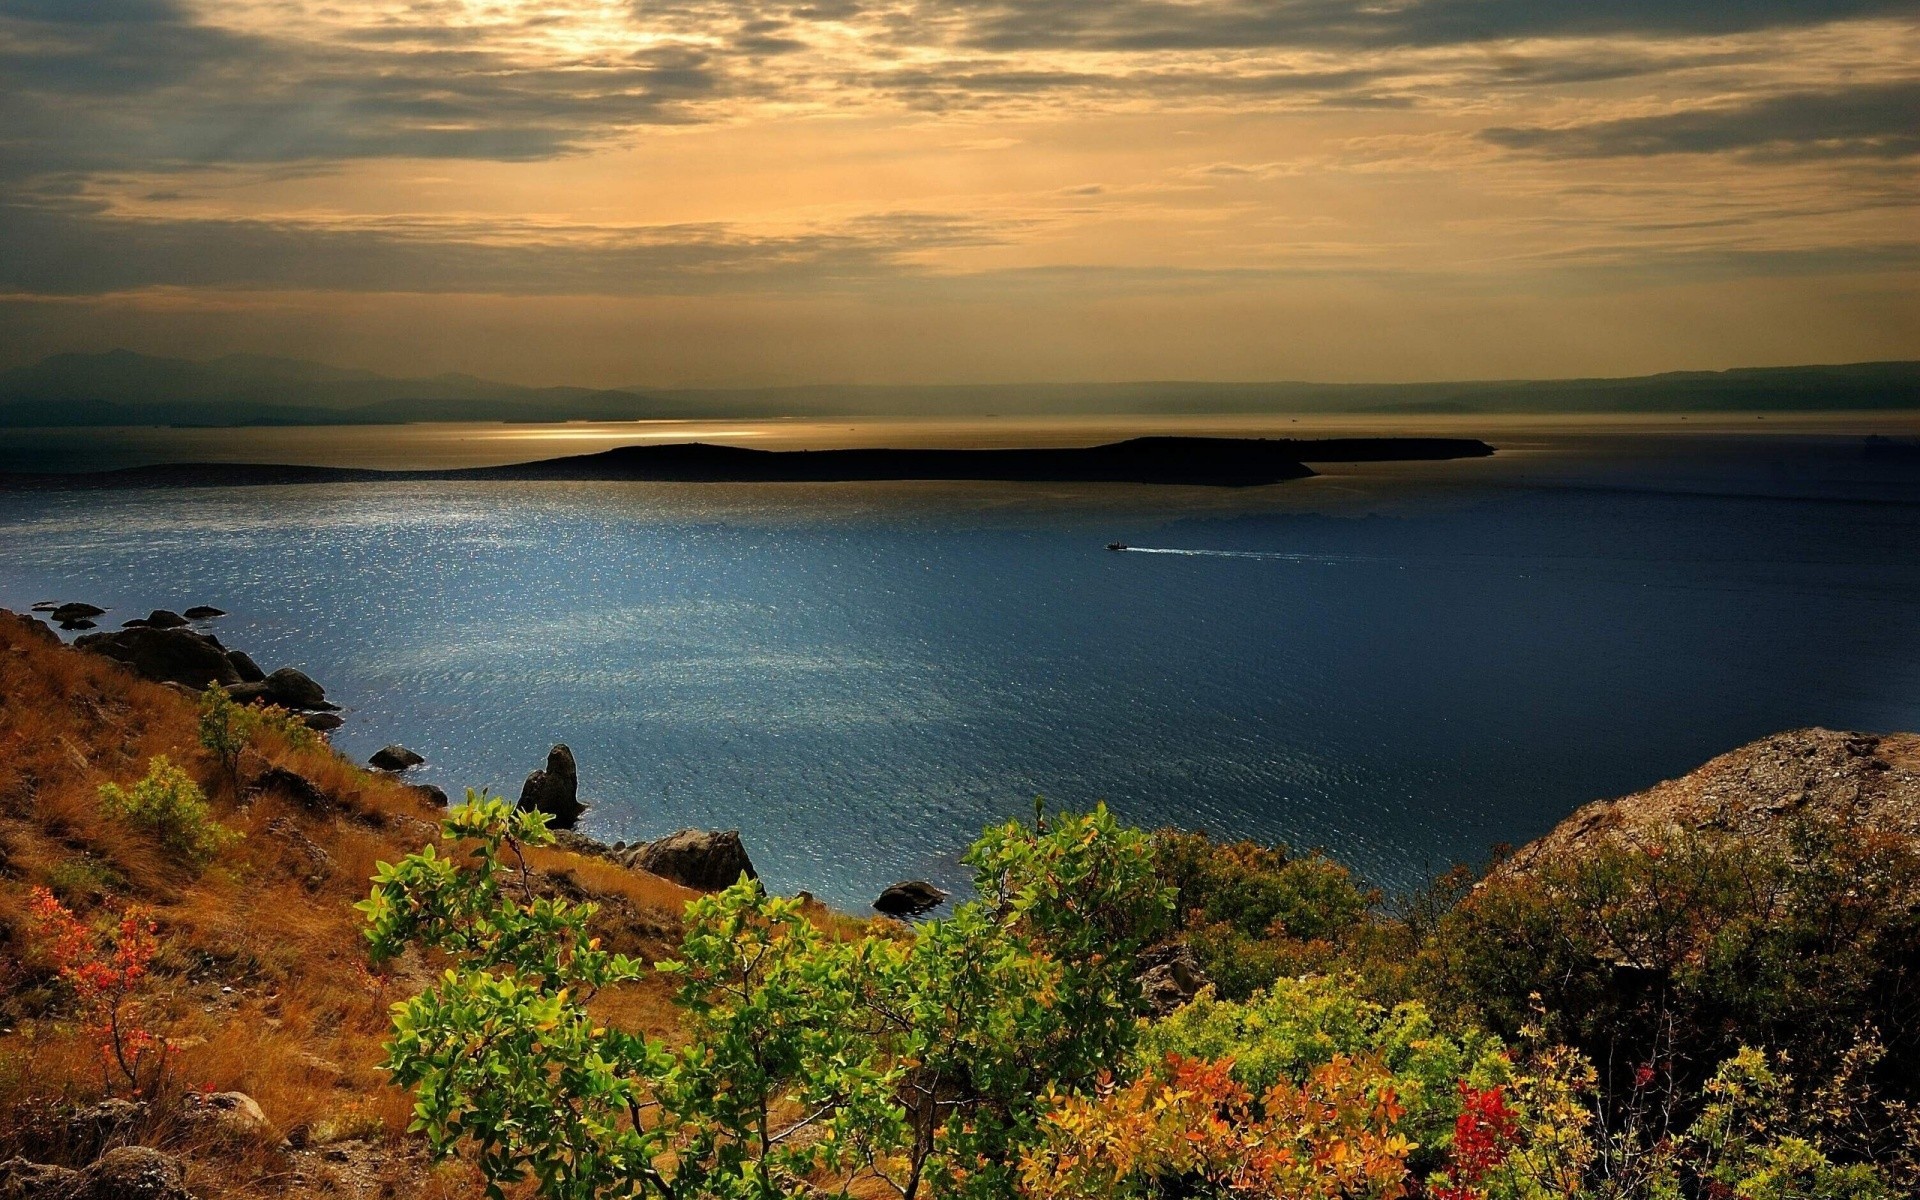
704, 860
90, 1129
289, 688
909, 899
159, 618
166, 655
75, 612
555, 790
315, 863
244, 666
23, 1180
431, 794
83, 623
44, 605
294, 786
293, 688
323, 722
395, 758
1171, 978
1857, 783
134, 1173
39, 630
228, 1116
204, 612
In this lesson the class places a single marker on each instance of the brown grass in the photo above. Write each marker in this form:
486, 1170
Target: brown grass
262, 978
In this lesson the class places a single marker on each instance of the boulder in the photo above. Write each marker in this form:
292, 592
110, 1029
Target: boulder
294, 786
909, 899
91, 1128
395, 758
227, 1117
288, 688
204, 612
45, 605
704, 860
555, 790
159, 618
431, 794
134, 1173
1172, 976
82, 623
293, 688
323, 722
23, 1180
244, 666
75, 612
166, 655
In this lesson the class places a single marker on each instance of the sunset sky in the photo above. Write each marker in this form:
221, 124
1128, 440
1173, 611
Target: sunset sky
718, 192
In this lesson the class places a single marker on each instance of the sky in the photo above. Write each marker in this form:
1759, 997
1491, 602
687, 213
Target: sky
717, 192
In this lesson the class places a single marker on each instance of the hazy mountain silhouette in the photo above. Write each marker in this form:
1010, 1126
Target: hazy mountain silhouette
121, 387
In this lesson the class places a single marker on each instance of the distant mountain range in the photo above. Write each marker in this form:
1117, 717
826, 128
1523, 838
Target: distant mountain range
121, 387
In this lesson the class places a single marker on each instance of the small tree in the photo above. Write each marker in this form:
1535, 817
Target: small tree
170, 805
106, 974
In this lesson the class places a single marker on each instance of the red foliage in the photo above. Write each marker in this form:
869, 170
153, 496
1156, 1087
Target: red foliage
105, 977
1482, 1138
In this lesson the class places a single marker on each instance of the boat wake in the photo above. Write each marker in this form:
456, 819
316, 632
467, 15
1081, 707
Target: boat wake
1268, 555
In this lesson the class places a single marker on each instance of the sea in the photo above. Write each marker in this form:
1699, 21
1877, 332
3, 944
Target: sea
1401, 664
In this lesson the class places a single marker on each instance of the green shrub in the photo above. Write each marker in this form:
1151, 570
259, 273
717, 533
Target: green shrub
168, 804
923, 1062
1296, 1025
83, 880
1253, 914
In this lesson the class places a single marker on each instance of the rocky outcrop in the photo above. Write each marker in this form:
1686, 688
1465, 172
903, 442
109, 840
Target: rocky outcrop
395, 758
288, 687
555, 789
67, 613
244, 666
294, 786
431, 793
909, 899
227, 1117
128, 1173
180, 656
1861, 782
159, 618
204, 612
134, 1173
24, 1180
704, 860
1170, 977
323, 722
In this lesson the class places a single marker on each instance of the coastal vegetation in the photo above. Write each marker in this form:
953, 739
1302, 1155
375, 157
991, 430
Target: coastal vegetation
458, 1003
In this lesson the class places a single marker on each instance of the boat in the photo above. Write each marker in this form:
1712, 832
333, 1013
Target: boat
1116, 545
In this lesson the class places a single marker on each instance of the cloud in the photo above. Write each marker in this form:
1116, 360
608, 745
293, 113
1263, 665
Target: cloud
1876, 121
67, 250
1138, 25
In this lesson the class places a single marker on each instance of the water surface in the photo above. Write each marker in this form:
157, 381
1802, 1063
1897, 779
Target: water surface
1403, 664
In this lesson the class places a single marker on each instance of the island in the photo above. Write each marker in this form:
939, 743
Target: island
1199, 461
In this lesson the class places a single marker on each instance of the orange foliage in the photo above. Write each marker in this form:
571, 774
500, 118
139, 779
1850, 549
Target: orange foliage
1332, 1136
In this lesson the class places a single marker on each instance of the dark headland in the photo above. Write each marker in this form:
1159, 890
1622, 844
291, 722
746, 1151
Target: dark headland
1214, 462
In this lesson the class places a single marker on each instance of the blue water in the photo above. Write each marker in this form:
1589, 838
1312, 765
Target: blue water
860, 678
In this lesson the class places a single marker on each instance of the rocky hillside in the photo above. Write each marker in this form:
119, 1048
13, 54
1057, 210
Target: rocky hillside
1861, 781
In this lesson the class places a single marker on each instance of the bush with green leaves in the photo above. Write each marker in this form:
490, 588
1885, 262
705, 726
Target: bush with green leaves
1294, 1026
1253, 914
810, 1063
168, 804
1668, 958
228, 728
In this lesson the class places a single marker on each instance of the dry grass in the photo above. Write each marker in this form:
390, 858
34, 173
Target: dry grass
261, 978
